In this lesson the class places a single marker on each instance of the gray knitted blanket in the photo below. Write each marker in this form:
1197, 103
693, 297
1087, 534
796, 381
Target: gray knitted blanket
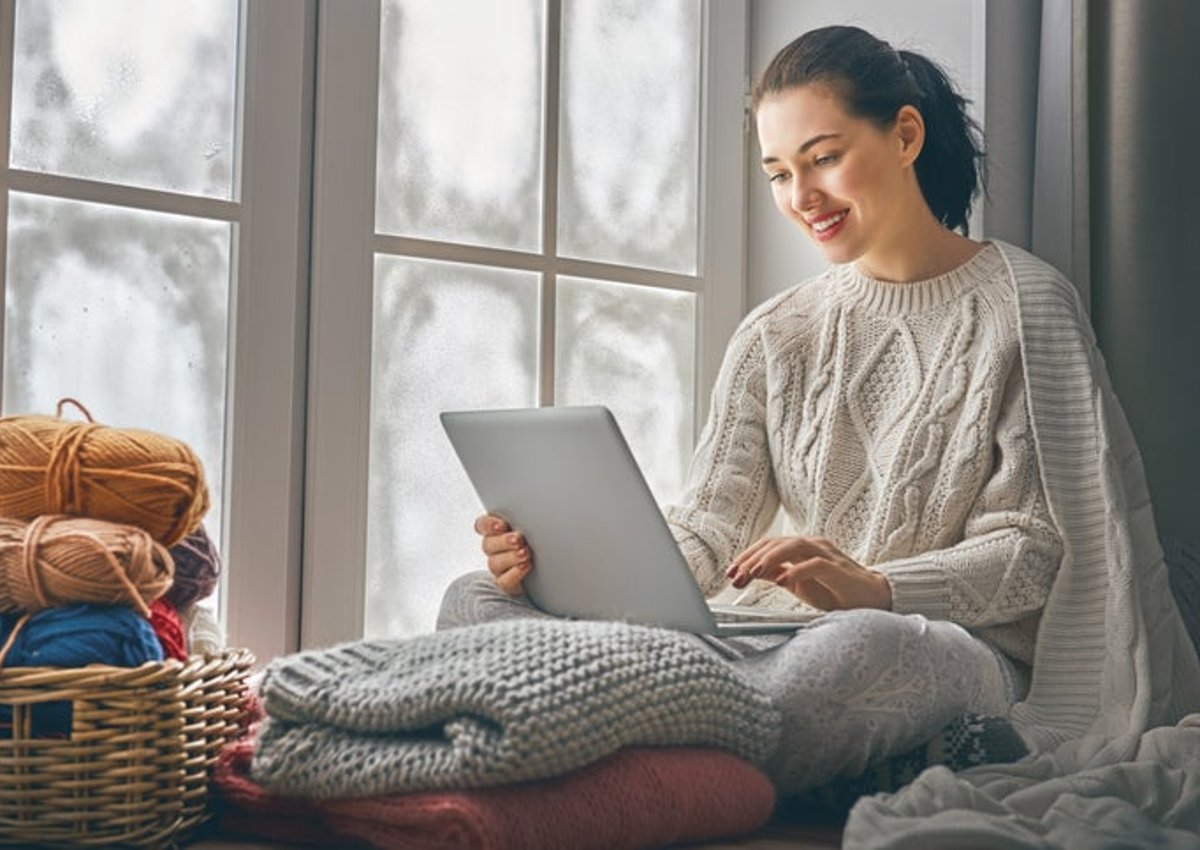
493, 704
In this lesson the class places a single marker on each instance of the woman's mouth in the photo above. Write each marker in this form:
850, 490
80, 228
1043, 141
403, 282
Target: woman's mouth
827, 226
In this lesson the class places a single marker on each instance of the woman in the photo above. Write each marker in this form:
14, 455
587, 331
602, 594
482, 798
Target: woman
884, 406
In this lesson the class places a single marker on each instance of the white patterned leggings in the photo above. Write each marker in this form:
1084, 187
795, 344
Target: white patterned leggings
854, 687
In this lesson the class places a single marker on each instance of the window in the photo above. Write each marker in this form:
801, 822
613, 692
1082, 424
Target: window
523, 219
285, 249
154, 215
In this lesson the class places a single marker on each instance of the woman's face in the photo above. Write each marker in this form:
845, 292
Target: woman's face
839, 178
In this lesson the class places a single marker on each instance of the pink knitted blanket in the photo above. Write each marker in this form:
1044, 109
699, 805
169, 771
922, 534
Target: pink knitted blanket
635, 798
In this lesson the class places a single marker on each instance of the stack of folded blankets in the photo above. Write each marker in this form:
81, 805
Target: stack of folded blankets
531, 734
103, 558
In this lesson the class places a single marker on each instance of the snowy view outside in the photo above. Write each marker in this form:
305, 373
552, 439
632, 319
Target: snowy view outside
460, 122
459, 156
138, 92
125, 310
628, 171
445, 336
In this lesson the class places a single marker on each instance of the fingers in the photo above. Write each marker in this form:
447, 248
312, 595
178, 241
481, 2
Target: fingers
508, 557
838, 582
490, 524
511, 580
494, 544
507, 560
748, 556
766, 558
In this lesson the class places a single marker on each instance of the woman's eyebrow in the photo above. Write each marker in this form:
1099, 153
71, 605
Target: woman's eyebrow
767, 160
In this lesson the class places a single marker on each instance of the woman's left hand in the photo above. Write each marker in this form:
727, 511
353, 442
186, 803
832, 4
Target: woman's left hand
813, 569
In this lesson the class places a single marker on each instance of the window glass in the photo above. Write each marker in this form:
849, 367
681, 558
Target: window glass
629, 143
445, 336
137, 92
460, 121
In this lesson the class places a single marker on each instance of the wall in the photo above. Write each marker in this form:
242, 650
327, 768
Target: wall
950, 31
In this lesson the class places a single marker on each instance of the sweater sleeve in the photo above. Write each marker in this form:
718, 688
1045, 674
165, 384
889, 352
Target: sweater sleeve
730, 497
1002, 570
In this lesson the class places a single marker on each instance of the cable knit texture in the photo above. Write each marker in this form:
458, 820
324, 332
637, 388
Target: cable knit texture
891, 419
1113, 657
496, 703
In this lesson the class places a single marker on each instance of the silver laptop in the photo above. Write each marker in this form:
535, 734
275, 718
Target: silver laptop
564, 477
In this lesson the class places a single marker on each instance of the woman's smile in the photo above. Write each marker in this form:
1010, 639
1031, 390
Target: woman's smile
827, 225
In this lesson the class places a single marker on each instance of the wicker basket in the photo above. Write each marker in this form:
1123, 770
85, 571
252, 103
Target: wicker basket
133, 768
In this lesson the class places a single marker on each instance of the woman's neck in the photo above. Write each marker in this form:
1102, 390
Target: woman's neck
920, 249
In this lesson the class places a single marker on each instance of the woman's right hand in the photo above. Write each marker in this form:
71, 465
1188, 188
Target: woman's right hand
508, 557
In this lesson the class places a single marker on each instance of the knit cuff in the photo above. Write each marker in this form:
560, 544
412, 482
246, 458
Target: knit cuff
919, 587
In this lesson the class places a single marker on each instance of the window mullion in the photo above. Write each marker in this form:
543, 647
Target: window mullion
549, 282
120, 195
268, 315
7, 47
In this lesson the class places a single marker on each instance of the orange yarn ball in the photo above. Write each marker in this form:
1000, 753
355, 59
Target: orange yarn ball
54, 466
62, 560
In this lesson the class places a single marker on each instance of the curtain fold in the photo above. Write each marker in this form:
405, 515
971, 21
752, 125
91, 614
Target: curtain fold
1091, 112
1143, 67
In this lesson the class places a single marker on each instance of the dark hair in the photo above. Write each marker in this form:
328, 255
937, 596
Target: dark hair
874, 81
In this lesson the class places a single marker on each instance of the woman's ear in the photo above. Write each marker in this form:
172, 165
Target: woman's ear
910, 133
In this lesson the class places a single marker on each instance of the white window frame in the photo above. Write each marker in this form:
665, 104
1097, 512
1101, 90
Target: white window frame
343, 246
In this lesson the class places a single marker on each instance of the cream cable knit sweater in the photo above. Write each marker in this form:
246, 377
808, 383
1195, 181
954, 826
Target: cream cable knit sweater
891, 419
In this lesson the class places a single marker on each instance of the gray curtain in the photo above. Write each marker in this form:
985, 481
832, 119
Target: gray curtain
1092, 111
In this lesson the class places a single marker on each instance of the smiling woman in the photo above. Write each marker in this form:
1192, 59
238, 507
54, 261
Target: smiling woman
894, 407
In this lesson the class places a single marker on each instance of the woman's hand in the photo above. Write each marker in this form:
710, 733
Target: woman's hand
508, 557
813, 569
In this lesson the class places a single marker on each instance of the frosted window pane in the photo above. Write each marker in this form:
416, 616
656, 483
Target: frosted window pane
628, 168
125, 311
632, 348
139, 92
460, 121
445, 336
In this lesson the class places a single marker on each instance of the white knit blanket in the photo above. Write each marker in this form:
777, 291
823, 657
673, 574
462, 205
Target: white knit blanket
1113, 659
496, 703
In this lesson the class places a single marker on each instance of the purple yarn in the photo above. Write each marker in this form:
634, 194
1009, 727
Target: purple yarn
197, 566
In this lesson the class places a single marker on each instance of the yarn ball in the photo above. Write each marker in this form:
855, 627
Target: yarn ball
50, 465
62, 560
197, 568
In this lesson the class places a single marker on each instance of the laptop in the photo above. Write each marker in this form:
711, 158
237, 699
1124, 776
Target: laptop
565, 477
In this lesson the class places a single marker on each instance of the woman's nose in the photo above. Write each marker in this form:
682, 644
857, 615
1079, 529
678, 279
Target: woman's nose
805, 195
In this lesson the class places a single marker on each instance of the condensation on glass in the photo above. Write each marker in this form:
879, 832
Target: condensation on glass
459, 147
445, 336
125, 311
629, 141
632, 348
135, 92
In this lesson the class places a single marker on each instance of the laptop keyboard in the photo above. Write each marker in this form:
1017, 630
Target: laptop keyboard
746, 613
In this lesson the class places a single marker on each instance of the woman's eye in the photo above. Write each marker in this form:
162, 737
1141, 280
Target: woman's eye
826, 159
777, 177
